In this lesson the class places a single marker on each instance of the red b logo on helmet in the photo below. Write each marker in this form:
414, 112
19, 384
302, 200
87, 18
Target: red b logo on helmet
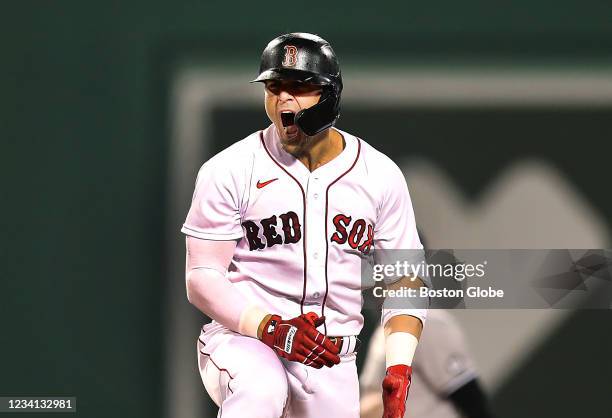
290, 56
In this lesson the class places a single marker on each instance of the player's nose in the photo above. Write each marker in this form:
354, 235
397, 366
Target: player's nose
284, 95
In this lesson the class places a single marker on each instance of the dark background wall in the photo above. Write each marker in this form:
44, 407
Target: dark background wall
84, 138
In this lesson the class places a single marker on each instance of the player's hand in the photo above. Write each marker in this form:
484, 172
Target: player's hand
298, 340
395, 390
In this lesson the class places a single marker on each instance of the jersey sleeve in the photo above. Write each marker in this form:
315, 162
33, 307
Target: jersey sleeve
442, 356
395, 235
396, 225
215, 207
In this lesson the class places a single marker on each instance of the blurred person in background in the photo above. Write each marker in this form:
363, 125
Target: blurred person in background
444, 382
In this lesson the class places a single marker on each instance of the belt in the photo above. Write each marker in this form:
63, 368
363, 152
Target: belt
346, 345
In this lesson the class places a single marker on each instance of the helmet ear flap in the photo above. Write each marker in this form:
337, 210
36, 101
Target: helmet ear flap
321, 116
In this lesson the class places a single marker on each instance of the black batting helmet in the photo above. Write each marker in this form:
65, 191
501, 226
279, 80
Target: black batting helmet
306, 58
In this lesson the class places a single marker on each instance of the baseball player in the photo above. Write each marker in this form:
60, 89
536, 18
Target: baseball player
277, 229
445, 382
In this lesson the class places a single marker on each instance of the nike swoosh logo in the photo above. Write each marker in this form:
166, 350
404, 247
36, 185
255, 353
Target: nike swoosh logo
265, 183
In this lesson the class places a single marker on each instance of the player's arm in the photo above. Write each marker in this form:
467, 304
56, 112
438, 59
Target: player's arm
211, 292
213, 229
401, 339
410, 321
396, 230
402, 328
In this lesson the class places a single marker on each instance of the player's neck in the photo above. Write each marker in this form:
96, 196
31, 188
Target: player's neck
322, 149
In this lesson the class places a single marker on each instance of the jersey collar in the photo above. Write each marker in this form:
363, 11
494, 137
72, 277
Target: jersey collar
340, 164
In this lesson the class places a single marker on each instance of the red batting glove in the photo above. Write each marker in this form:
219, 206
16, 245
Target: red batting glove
298, 340
395, 390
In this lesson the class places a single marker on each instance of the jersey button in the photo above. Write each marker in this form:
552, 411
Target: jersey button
316, 295
316, 195
315, 255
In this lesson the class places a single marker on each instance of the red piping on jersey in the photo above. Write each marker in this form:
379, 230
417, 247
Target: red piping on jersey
303, 218
326, 241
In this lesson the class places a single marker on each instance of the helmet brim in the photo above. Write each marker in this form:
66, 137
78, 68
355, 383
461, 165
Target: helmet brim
293, 75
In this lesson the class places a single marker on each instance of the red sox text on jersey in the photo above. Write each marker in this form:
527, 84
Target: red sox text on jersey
264, 234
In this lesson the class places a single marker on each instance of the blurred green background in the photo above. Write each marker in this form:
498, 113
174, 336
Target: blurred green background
84, 159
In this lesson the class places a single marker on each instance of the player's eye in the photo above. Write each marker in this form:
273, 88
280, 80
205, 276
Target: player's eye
273, 87
305, 88
297, 88
292, 87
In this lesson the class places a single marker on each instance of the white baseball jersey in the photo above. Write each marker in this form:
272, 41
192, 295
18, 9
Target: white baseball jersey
302, 235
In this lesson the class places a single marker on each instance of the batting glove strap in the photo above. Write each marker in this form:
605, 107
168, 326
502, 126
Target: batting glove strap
269, 335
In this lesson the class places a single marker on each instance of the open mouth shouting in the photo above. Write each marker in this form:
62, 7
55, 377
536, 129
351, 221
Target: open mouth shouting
288, 121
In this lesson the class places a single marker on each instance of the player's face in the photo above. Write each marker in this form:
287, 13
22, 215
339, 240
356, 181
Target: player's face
290, 96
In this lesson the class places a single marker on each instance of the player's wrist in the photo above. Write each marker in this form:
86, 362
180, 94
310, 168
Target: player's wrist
400, 348
251, 319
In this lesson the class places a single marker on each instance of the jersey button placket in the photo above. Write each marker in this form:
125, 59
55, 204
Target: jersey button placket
316, 240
